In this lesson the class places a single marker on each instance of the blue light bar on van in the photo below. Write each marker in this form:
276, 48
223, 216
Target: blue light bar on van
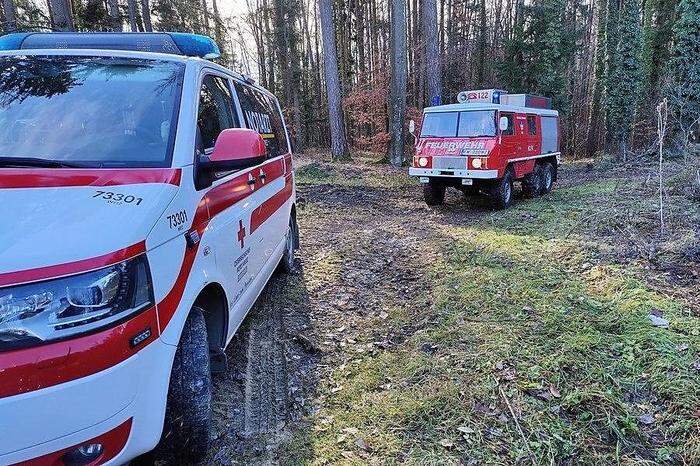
191, 45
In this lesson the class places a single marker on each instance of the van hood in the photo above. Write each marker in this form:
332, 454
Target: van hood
430, 147
59, 216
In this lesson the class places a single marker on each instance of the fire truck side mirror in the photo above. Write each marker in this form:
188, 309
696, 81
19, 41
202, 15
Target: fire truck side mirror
412, 127
503, 123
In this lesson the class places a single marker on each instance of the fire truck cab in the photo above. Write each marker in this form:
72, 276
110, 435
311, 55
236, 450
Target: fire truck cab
485, 143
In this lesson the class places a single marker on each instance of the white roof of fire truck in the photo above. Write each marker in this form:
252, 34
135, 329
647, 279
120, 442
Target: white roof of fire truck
497, 99
484, 106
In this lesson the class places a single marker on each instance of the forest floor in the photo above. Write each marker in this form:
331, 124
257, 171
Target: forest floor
464, 335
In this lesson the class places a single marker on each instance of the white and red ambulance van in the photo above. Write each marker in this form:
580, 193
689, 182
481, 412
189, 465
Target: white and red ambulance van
146, 197
486, 142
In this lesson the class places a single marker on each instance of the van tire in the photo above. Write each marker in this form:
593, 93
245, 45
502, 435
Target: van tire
502, 191
547, 174
188, 414
291, 244
434, 193
532, 182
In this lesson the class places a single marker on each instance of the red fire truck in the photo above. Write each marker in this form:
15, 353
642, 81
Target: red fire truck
484, 143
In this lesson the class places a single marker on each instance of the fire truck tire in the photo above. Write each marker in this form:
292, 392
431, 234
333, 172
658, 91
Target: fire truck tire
502, 191
547, 173
434, 193
532, 183
188, 414
288, 263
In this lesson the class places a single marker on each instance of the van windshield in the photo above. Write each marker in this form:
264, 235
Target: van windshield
89, 111
469, 124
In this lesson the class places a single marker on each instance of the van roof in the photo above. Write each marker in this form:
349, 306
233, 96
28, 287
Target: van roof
196, 61
485, 106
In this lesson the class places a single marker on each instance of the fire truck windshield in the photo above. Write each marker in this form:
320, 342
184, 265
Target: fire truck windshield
469, 124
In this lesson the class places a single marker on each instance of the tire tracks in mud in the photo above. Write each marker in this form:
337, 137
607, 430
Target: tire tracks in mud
361, 256
366, 252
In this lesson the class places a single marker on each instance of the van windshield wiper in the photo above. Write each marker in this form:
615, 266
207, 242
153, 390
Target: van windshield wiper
35, 162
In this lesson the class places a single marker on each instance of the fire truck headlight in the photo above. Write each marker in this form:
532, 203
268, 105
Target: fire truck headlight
42, 312
423, 161
476, 163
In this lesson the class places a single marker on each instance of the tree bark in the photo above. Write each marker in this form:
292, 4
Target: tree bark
10, 19
132, 15
339, 146
397, 94
115, 15
62, 15
146, 13
432, 51
205, 16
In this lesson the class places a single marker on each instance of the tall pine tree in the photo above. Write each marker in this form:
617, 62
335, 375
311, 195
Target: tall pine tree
625, 77
683, 89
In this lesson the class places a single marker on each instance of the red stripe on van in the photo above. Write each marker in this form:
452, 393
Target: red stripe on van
270, 206
71, 177
113, 442
70, 268
26, 370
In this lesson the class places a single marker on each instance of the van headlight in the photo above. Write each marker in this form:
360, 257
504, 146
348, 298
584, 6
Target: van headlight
66, 307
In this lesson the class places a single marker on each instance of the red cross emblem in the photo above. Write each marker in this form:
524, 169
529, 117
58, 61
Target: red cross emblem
241, 233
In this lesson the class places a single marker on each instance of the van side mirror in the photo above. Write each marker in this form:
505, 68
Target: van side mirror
412, 127
235, 149
503, 123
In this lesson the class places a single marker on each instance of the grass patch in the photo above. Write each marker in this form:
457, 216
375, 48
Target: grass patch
534, 352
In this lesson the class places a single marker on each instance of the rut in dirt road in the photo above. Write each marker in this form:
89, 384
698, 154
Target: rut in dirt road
364, 250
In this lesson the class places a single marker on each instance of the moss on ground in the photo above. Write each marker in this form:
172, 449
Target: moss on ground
535, 351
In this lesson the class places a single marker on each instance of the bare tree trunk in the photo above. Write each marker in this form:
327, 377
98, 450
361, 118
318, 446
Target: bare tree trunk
339, 145
432, 51
205, 16
397, 94
146, 13
10, 19
62, 15
115, 15
132, 15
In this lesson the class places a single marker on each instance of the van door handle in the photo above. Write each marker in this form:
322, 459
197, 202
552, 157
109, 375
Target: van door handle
252, 181
263, 176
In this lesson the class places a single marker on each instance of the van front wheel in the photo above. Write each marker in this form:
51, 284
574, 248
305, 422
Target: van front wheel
188, 414
434, 193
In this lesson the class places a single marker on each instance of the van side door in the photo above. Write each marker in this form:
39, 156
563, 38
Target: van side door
230, 200
270, 220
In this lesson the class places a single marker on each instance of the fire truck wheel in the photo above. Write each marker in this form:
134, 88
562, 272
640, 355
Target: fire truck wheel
288, 263
434, 193
532, 183
547, 178
502, 191
188, 415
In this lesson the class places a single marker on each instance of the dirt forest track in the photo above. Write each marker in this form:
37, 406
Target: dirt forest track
363, 249
369, 250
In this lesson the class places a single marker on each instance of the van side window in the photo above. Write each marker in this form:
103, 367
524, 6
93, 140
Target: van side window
511, 126
531, 125
261, 114
215, 111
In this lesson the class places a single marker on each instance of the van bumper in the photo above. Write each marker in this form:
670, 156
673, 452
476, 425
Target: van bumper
122, 407
449, 173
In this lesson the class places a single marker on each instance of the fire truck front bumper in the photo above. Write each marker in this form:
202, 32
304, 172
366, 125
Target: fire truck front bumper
452, 173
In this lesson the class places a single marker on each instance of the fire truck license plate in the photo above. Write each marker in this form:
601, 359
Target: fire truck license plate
467, 181
424, 179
